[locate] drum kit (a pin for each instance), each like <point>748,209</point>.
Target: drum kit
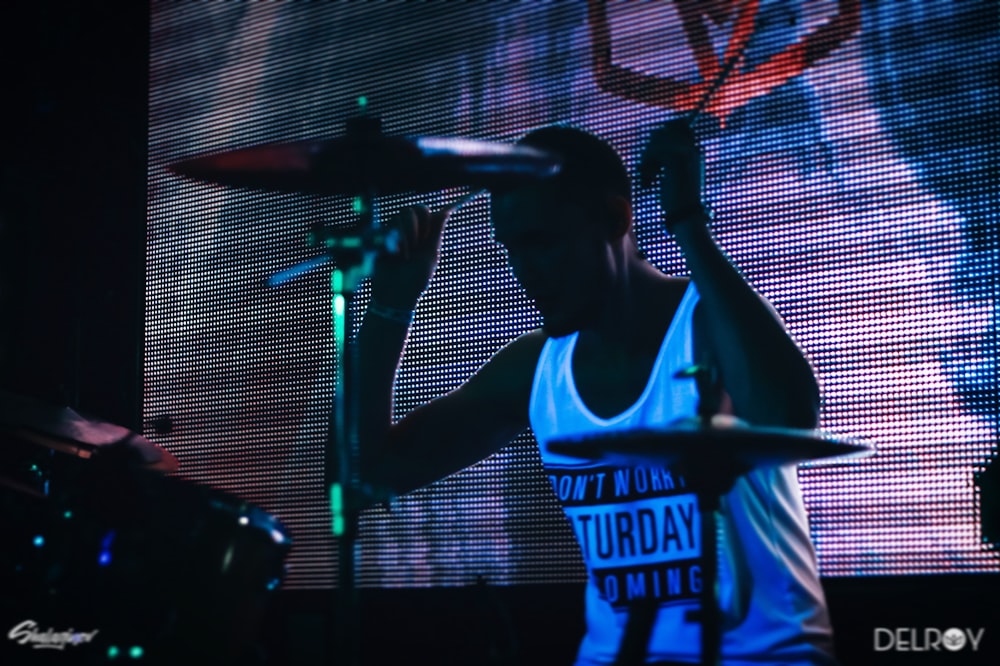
<point>102,546</point>
<point>112,525</point>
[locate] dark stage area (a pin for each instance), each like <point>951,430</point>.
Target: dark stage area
<point>539,625</point>
<point>75,206</point>
<point>72,231</point>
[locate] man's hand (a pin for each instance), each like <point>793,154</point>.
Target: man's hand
<point>401,278</point>
<point>673,157</point>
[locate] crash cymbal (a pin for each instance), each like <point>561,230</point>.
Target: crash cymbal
<point>689,441</point>
<point>366,161</point>
<point>65,430</point>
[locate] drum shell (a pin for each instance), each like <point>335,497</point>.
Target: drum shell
<point>148,560</point>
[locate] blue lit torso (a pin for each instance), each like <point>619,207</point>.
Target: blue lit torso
<point>638,528</point>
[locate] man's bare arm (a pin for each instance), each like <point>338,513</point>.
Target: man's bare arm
<point>763,371</point>
<point>460,428</point>
<point>455,430</point>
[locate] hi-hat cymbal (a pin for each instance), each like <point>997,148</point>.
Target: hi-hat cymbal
<point>365,160</point>
<point>65,430</point>
<point>690,442</point>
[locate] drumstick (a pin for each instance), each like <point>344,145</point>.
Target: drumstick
<point>722,76</point>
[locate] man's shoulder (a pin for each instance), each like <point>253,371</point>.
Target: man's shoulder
<point>670,284</point>
<point>669,293</point>
<point>514,365</point>
<point>504,383</point>
<point>525,348</point>
<point>677,283</point>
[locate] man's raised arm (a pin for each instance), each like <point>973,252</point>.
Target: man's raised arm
<point>454,430</point>
<point>767,376</point>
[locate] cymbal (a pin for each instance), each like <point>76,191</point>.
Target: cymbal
<point>727,440</point>
<point>65,430</point>
<point>367,161</point>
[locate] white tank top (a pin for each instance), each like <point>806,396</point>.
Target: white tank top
<point>638,528</point>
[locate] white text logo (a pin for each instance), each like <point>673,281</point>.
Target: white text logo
<point>27,632</point>
<point>928,639</point>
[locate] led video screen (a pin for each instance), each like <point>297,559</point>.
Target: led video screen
<point>849,150</point>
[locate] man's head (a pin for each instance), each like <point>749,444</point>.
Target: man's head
<point>590,167</point>
<point>567,235</point>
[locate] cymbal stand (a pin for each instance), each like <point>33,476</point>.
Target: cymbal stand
<point>709,612</point>
<point>351,255</point>
<point>710,486</point>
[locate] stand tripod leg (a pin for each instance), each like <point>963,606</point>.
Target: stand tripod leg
<point>711,629</point>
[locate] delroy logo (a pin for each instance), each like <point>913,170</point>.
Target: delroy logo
<point>927,639</point>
